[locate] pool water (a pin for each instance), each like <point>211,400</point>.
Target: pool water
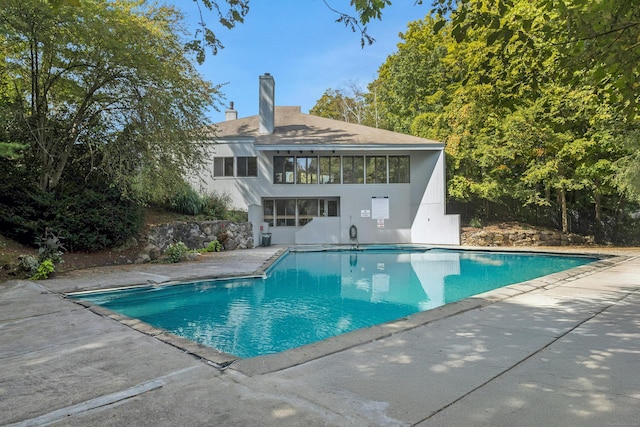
<point>311,296</point>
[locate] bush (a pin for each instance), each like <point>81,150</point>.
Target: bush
<point>25,211</point>
<point>188,201</point>
<point>28,264</point>
<point>93,220</point>
<point>216,206</point>
<point>87,218</point>
<point>475,222</point>
<point>44,270</point>
<point>50,247</point>
<point>176,252</point>
<point>213,246</point>
<point>237,216</point>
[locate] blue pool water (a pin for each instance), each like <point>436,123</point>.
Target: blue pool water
<point>311,296</point>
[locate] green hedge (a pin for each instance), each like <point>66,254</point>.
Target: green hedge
<point>88,219</point>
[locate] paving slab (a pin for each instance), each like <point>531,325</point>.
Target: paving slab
<point>561,350</point>
<point>589,378</point>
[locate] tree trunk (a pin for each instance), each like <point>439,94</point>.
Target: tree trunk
<point>598,199</point>
<point>563,208</point>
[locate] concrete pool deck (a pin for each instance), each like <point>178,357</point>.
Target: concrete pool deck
<point>561,350</point>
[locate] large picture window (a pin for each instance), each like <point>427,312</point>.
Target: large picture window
<point>398,169</point>
<point>283,170</point>
<point>353,169</point>
<point>329,170</point>
<point>376,169</point>
<point>307,170</point>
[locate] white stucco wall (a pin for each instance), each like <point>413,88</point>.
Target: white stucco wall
<point>416,209</point>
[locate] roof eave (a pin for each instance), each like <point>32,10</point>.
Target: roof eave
<point>349,147</point>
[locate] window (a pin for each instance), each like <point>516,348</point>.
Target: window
<point>223,166</point>
<point>269,211</point>
<point>307,170</point>
<point>398,169</point>
<point>285,212</point>
<point>353,169</point>
<point>297,212</point>
<point>307,210</point>
<point>334,169</point>
<point>329,170</point>
<point>376,169</point>
<point>247,166</point>
<point>283,170</point>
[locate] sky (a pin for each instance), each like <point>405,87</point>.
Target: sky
<point>299,43</point>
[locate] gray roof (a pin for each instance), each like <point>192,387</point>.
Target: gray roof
<point>293,128</point>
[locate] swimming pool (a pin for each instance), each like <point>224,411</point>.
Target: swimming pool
<point>310,296</point>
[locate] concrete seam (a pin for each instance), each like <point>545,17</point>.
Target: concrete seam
<point>522,361</point>
<point>106,400</point>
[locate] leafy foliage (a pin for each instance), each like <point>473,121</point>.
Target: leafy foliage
<point>44,270</point>
<point>176,252</point>
<point>188,201</point>
<point>86,218</point>
<point>216,206</point>
<point>93,220</point>
<point>50,248</point>
<point>213,246</point>
<point>105,88</point>
<point>526,136</point>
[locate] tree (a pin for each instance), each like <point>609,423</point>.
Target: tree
<point>104,88</point>
<point>596,35</point>
<point>413,80</point>
<point>229,13</point>
<point>509,137</point>
<point>349,105</point>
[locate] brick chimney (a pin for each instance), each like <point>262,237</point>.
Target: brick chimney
<point>230,114</point>
<point>267,104</point>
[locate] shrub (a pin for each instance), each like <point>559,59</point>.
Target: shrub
<point>237,216</point>
<point>213,246</point>
<point>216,206</point>
<point>475,222</point>
<point>176,252</point>
<point>188,201</point>
<point>24,211</point>
<point>50,247</point>
<point>87,218</point>
<point>28,264</point>
<point>44,270</point>
<point>93,220</point>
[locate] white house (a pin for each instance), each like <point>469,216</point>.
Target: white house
<point>312,180</point>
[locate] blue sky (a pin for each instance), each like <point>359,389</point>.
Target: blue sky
<point>301,45</point>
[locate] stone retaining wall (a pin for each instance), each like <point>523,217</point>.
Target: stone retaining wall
<point>196,235</point>
<point>522,237</point>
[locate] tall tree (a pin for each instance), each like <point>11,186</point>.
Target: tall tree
<point>349,105</point>
<point>106,85</point>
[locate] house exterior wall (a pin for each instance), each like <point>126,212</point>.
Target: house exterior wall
<point>416,209</point>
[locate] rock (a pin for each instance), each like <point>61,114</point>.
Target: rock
<point>196,235</point>
<point>143,259</point>
<point>520,235</point>
<point>131,242</point>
